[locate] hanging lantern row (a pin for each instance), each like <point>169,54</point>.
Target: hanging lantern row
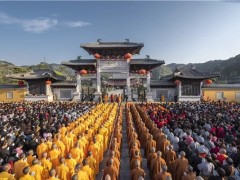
<point>48,82</point>
<point>177,82</point>
<point>20,83</point>
<point>126,56</point>
<point>208,81</point>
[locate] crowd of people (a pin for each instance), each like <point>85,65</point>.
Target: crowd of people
<point>58,140</point>
<point>190,140</point>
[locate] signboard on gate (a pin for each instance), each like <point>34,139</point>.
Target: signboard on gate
<point>113,66</point>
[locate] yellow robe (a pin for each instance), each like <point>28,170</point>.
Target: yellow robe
<point>61,146</point>
<point>30,158</point>
<point>63,172</point>
<point>89,171</point>
<point>18,168</point>
<point>41,148</point>
<point>27,177</point>
<point>54,157</point>
<point>93,165</point>
<point>6,176</point>
<point>77,154</point>
<point>71,163</point>
<point>38,170</point>
<point>47,165</point>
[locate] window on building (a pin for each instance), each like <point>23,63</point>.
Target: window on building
<point>219,95</point>
<point>66,94</point>
<point>190,89</point>
<point>9,95</point>
<point>237,95</point>
<point>159,93</point>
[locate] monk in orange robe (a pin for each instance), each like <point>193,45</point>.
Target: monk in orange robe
<point>137,172</point>
<point>170,156</point>
<point>151,156</point>
<point>179,166</point>
<point>111,171</point>
<point>164,143</point>
<point>162,175</point>
<point>189,175</point>
<point>149,145</point>
<point>157,164</point>
<point>134,159</point>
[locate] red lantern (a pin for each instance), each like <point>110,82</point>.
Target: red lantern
<point>177,82</point>
<point>20,83</point>
<point>128,56</point>
<point>83,72</point>
<point>142,71</point>
<point>48,82</point>
<point>97,56</point>
<point>208,81</point>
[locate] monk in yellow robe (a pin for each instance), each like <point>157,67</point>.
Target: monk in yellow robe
<point>20,165</point>
<point>80,174</point>
<point>26,175</point>
<point>87,169</point>
<point>4,174</point>
<point>52,175</point>
<point>54,155</point>
<point>95,149</point>
<point>46,164</point>
<point>70,162</point>
<point>62,170</point>
<point>37,169</point>
<point>68,142</point>
<point>92,163</point>
<point>30,157</point>
<point>77,153</point>
<point>60,145</point>
<point>41,148</point>
<point>63,129</point>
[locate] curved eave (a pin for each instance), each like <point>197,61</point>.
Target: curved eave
<point>113,49</point>
<point>147,64</point>
<point>195,78</point>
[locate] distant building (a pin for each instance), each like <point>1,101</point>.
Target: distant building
<point>226,92</point>
<point>12,93</point>
<point>185,83</point>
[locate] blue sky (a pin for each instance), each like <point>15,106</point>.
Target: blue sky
<point>177,32</point>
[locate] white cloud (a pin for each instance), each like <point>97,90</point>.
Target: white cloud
<point>37,25</point>
<point>77,24</point>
